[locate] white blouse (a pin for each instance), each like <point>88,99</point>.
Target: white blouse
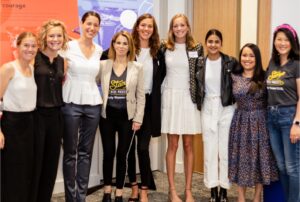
<point>80,85</point>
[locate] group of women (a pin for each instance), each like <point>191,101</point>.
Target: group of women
<point>144,88</point>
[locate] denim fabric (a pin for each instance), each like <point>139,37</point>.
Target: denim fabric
<point>280,120</point>
<point>82,119</point>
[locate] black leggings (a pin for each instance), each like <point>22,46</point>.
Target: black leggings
<point>116,121</point>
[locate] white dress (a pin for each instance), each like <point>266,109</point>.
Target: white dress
<point>179,113</point>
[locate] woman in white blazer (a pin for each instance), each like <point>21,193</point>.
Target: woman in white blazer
<point>122,83</point>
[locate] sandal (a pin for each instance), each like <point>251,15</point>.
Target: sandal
<point>134,199</point>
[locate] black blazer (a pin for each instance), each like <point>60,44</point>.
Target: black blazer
<point>155,98</point>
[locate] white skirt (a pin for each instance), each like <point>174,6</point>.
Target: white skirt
<point>179,114</point>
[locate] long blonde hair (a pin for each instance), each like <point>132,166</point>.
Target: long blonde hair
<point>190,42</point>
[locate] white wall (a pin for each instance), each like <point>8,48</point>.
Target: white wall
<point>286,11</point>
<point>249,14</point>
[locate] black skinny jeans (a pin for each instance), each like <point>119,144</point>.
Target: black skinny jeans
<point>116,121</point>
<point>143,140</point>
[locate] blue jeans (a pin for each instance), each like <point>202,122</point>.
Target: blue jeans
<point>82,119</point>
<point>280,120</point>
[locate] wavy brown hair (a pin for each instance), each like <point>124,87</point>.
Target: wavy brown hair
<point>190,42</point>
<point>154,42</point>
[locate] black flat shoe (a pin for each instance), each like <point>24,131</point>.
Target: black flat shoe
<point>106,197</point>
<point>214,195</point>
<point>118,199</point>
<point>223,195</point>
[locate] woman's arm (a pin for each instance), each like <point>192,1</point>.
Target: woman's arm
<point>140,100</point>
<point>6,73</point>
<point>295,129</point>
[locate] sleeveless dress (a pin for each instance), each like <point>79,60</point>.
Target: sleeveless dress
<point>179,113</point>
<point>251,160</point>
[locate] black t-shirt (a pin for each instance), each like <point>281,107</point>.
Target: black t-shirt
<point>281,83</point>
<point>117,91</point>
<point>49,77</point>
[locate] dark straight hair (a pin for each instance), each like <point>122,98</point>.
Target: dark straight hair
<point>214,32</point>
<point>90,13</point>
<point>257,81</point>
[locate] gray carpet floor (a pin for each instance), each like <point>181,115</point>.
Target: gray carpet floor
<point>200,192</point>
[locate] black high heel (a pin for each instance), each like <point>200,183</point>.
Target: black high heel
<point>106,197</point>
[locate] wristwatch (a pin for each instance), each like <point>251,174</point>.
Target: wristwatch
<point>296,122</point>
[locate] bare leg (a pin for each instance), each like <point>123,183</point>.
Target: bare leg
<point>144,194</point>
<point>188,165</point>
<point>257,194</point>
<point>170,161</point>
<point>241,194</point>
<point>134,191</point>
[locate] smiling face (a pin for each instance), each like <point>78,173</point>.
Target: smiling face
<point>54,38</point>
<point>282,44</point>
<point>27,49</point>
<point>180,29</point>
<point>248,59</point>
<point>213,45</point>
<point>90,27</point>
<point>121,46</point>
<point>145,29</point>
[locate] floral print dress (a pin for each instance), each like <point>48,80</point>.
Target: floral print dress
<point>251,160</point>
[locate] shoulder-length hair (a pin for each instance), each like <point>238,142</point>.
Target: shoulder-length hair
<point>154,42</point>
<point>131,49</point>
<point>257,81</point>
<point>190,42</point>
<point>46,26</point>
<point>292,36</point>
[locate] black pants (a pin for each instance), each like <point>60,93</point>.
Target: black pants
<point>116,121</point>
<point>17,156</point>
<point>143,140</point>
<point>48,136</point>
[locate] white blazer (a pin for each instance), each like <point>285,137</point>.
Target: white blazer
<point>135,94</point>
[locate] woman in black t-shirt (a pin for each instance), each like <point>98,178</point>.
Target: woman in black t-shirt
<point>283,85</point>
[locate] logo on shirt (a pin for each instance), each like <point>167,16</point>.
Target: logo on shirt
<point>275,78</point>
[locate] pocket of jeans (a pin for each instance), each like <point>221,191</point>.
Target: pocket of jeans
<point>286,115</point>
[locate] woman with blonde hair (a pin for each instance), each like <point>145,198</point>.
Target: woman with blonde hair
<point>48,73</point>
<point>122,83</point>
<point>180,115</point>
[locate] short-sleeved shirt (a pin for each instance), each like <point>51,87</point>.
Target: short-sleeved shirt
<point>281,83</point>
<point>117,91</point>
<point>49,77</point>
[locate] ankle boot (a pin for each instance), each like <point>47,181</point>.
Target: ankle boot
<point>223,195</point>
<point>106,197</point>
<point>214,195</point>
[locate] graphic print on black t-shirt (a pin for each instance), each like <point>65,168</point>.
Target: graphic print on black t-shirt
<point>275,81</point>
<point>117,91</point>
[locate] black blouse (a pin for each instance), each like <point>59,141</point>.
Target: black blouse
<point>49,78</point>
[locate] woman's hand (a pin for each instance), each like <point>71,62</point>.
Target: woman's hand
<point>295,134</point>
<point>136,126</point>
<point>1,140</point>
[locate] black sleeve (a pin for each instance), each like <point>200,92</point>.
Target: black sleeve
<point>104,55</point>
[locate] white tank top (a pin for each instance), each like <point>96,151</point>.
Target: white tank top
<point>20,95</point>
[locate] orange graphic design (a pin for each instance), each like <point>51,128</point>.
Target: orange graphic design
<point>28,15</point>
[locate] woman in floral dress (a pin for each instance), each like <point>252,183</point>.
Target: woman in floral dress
<point>251,162</point>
